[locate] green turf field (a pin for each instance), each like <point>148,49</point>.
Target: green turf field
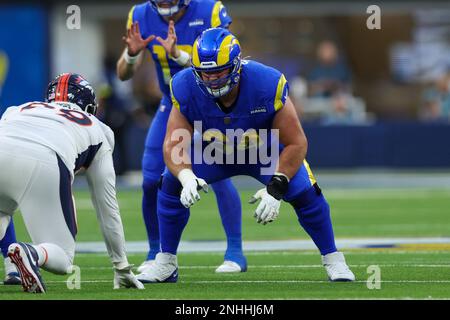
<point>411,272</point>
<point>271,275</point>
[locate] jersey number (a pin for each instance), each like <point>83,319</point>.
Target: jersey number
<point>75,116</point>
<point>71,115</point>
<point>161,53</point>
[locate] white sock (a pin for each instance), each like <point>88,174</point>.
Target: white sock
<point>54,259</point>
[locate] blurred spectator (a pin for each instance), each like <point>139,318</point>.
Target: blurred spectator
<point>116,108</point>
<point>330,98</point>
<point>344,110</point>
<point>298,89</point>
<point>331,74</point>
<point>436,105</point>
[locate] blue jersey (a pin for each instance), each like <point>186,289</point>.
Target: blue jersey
<point>262,92</point>
<point>199,16</point>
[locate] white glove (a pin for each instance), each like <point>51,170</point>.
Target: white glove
<point>124,278</point>
<point>268,208</point>
<point>191,186</point>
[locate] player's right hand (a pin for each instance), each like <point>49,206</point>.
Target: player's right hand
<point>189,194</point>
<point>134,41</point>
<point>170,43</point>
<point>124,278</point>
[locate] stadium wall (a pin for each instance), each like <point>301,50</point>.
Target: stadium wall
<point>24,54</point>
<point>382,145</point>
<point>392,144</point>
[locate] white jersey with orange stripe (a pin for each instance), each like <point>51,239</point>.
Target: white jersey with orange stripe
<point>80,140</point>
<point>76,136</point>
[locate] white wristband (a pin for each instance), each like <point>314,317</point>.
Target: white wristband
<point>183,59</point>
<point>186,175</point>
<point>129,59</point>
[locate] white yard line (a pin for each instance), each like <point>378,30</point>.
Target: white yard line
<point>300,266</point>
<point>268,281</point>
<point>275,245</point>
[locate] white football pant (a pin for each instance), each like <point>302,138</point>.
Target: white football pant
<point>34,179</point>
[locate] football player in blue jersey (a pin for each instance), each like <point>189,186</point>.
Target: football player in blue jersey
<point>151,25</point>
<point>224,94</point>
<point>11,275</point>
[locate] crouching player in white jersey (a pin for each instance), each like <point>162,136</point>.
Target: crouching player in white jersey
<point>42,146</point>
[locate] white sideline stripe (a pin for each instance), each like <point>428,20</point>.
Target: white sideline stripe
<point>274,245</point>
<point>271,281</point>
<point>381,194</point>
<point>103,255</point>
<point>300,266</point>
<point>304,266</point>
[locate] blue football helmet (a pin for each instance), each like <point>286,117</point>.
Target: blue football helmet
<point>215,50</point>
<point>167,12</point>
<point>71,87</point>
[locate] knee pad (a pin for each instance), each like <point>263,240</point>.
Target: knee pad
<point>150,184</point>
<point>170,185</point>
<point>169,203</point>
<point>311,205</point>
<point>170,208</point>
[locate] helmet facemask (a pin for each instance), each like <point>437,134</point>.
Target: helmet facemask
<point>223,85</point>
<point>169,11</point>
<point>84,101</point>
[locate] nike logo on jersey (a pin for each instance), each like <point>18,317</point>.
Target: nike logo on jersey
<point>198,22</point>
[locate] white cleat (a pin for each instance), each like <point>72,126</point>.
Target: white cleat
<point>164,269</point>
<point>145,265</point>
<point>337,268</point>
<point>228,267</point>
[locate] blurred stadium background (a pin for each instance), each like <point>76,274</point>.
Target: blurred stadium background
<point>367,98</point>
<point>375,105</point>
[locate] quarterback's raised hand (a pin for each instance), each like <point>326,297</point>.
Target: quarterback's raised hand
<point>124,278</point>
<point>170,43</point>
<point>134,41</point>
<point>191,185</point>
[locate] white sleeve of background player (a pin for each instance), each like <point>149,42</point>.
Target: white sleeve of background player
<point>102,183</point>
<point>108,134</point>
<point>9,111</point>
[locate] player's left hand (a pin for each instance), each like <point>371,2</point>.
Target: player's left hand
<point>268,209</point>
<point>124,278</point>
<point>170,43</point>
